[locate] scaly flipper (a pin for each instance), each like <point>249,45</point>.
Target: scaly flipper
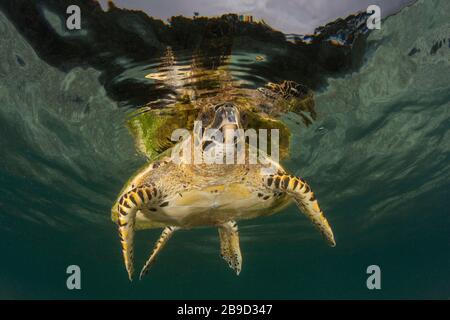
<point>128,205</point>
<point>229,245</point>
<point>304,197</point>
<point>165,236</point>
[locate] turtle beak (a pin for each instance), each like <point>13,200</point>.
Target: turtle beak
<point>226,120</point>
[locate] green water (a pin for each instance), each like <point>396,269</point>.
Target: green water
<point>377,158</point>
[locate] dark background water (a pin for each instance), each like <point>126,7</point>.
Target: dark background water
<point>377,158</point>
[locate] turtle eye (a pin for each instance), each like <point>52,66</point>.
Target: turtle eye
<point>204,118</point>
<point>244,119</point>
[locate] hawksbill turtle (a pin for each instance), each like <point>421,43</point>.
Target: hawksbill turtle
<point>175,195</point>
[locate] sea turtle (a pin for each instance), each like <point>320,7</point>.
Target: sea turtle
<point>176,195</point>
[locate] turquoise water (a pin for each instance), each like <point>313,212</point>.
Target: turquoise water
<point>377,158</point>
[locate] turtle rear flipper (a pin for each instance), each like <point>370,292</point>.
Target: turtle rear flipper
<point>229,245</point>
<point>165,236</point>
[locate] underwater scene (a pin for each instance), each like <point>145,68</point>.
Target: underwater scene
<point>350,202</point>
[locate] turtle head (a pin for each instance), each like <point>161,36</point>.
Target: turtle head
<point>225,116</point>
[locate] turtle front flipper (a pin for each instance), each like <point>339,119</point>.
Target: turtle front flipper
<point>165,236</point>
<point>305,199</point>
<point>127,207</point>
<point>229,245</point>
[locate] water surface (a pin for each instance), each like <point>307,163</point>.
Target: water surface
<point>377,158</point>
